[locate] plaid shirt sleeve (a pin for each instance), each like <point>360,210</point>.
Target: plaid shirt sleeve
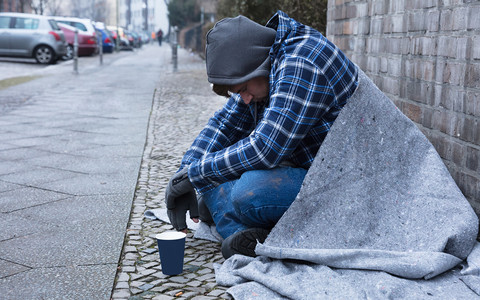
<point>231,123</point>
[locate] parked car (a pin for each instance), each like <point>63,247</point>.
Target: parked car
<point>124,44</point>
<point>85,27</point>
<point>133,39</point>
<point>86,41</point>
<point>29,35</point>
<point>108,43</point>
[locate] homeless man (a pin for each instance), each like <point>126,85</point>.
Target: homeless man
<point>285,84</point>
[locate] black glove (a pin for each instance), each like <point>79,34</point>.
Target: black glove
<point>180,197</point>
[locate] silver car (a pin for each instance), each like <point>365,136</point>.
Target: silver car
<point>29,35</point>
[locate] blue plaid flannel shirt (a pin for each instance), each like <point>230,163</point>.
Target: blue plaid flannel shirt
<point>310,81</point>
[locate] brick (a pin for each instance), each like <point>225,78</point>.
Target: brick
<point>472,75</point>
<point>428,46</point>
<point>459,100</point>
<point>397,6</point>
<point>439,70</point>
<point>443,147</point>
<point>413,112</point>
<point>378,8</point>
<point>373,64</point>
<point>427,117</point>
<point>426,3</point>
<point>340,13</point>
<point>383,65</point>
<point>387,24</point>
<point>443,43</point>
<point>444,124</point>
<point>468,131</point>
<point>461,47</point>
<point>362,10</point>
<point>433,21</point>
<point>454,73</point>
<point>460,18</point>
<point>376,26</point>
<point>446,100</point>
<point>359,44</point>
<point>437,119</point>
<point>472,159</point>
<point>410,4</point>
<point>477,132</point>
<point>395,66</point>
<point>470,184</point>
<point>417,21</point>
<point>428,70</point>
<point>348,27</point>
<point>351,11</point>
<point>391,86</point>
<point>395,46</point>
<point>471,97</point>
<point>473,19</point>
<point>446,20</point>
<point>475,47</point>
<point>457,122</point>
<point>458,154</point>
<point>398,23</point>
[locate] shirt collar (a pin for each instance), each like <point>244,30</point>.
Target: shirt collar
<point>281,22</point>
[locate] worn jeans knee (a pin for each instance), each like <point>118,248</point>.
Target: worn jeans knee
<point>261,197</point>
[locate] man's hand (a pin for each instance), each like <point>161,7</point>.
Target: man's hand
<point>180,196</point>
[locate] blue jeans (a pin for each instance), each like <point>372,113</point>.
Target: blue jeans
<point>257,199</point>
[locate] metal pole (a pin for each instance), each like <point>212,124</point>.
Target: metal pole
<point>117,41</point>
<point>175,48</point>
<point>100,46</point>
<point>75,52</point>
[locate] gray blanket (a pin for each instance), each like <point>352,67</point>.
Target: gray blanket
<point>378,216</point>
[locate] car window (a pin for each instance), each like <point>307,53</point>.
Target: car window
<point>79,26</point>
<point>26,23</point>
<point>4,22</point>
<point>53,24</point>
<point>74,24</point>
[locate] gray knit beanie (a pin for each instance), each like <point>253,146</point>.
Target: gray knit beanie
<point>238,50</point>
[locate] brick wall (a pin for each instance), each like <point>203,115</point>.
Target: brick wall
<point>425,55</point>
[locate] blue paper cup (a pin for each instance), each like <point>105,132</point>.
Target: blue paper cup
<point>171,247</point>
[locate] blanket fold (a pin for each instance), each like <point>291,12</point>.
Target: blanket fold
<point>377,201</point>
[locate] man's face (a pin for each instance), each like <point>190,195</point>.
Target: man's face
<point>254,90</point>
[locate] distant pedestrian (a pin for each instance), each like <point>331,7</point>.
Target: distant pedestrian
<point>159,37</point>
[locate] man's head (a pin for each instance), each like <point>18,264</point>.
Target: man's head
<point>237,52</point>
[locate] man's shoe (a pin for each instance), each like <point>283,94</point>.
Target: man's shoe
<point>244,242</point>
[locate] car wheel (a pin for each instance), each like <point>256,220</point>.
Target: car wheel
<point>44,55</point>
<point>69,54</point>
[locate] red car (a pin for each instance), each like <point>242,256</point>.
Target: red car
<point>87,43</point>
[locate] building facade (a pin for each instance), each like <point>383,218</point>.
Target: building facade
<point>425,55</point>
<point>15,6</point>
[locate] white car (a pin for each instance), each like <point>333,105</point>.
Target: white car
<point>29,35</point>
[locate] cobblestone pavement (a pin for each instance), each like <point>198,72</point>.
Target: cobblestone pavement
<point>182,104</point>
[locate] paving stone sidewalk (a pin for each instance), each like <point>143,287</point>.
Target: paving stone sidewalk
<point>182,104</point>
